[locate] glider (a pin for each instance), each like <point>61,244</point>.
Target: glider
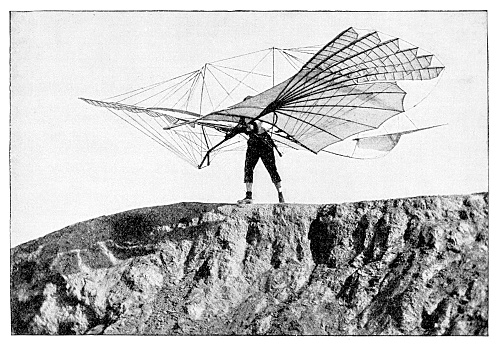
<point>349,86</point>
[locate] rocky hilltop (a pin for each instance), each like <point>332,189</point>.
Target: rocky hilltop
<point>405,266</point>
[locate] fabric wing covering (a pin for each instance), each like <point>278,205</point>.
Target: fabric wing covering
<point>385,142</point>
<point>346,88</point>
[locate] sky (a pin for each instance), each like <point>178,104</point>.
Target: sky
<point>71,162</point>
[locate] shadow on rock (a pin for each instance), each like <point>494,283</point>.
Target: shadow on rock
<point>135,228</point>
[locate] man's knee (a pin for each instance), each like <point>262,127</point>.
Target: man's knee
<point>248,179</point>
<point>275,178</point>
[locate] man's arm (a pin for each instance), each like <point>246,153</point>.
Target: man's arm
<point>240,128</point>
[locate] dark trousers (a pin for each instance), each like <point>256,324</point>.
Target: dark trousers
<point>257,149</point>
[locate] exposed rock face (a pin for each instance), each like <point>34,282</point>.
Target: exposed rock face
<point>407,266</point>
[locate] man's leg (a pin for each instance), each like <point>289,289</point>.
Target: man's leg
<point>249,187</point>
<point>252,158</point>
<point>268,158</point>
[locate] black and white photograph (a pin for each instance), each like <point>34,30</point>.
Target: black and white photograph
<point>249,173</point>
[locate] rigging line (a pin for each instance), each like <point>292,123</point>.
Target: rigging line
<point>170,93</point>
<point>198,143</point>
<point>235,149</point>
<point>151,129</point>
<point>226,149</point>
<point>187,136</point>
<point>182,150</point>
<point>209,96</point>
<point>273,66</point>
<point>162,141</point>
<point>167,88</point>
<point>240,70</point>
<point>144,132</point>
<point>236,79</point>
<point>184,140</point>
<point>203,75</point>
<point>221,85</point>
<point>410,120</point>
<point>209,135</point>
<point>264,57</point>
<point>178,86</point>
<point>237,56</point>
<point>192,88</point>
<point>164,122</point>
<point>352,157</point>
<point>295,58</point>
<point>299,83</point>
<point>182,143</point>
<point>290,62</point>
<point>306,52</point>
<point>354,149</point>
<point>145,88</point>
<point>205,138</point>
<point>305,48</point>
<point>181,97</point>
<point>227,145</point>
<point>172,90</point>
<point>197,136</point>
<point>148,86</point>
<point>207,154</point>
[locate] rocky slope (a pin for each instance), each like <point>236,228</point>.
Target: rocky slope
<point>406,266</point>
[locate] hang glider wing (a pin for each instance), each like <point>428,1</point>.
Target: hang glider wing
<point>385,142</point>
<point>347,87</point>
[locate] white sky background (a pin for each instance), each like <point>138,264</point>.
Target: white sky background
<point>72,162</point>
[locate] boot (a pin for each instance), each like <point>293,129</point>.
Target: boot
<point>247,199</point>
<point>281,198</point>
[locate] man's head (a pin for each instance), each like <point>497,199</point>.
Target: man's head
<point>242,121</point>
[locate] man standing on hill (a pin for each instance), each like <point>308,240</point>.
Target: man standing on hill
<point>259,145</point>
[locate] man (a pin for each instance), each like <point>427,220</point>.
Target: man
<point>259,145</point>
